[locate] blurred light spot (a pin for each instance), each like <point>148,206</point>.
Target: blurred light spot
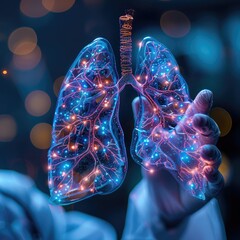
<point>58,5</point>
<point>22,41</point>
<point>37,103</point>
<point>93,2</point>
<point>224,168</point>
<point>223,119</point>
<point>4,72</point>
<point>8,128</point>
<point>175,23</point>
<point>205,49</point>
<point>28,61</point>
<point>41,135</point>
<point>57,85</point>
<point>232,33</point>
<point>232,30</point>
<point>33,8</point>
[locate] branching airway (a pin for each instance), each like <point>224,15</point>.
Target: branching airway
<point>126,42</point>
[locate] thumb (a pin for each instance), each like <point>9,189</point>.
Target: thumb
<point>201,104</point>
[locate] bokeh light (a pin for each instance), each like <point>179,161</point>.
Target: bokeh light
<point>57,85</point>
<point>8,128</point>
<point>225,168</point>
<point>205,49</point>
<point>232,31</point>
<point>4,72</point>
<point>33,8</point>
<point>28,61</point>
<point>37,103</point>
<point>223,119</point>
<point>58,5</point>
<point>22,41</point>
<point>40,135</point>
<point>175,24</point>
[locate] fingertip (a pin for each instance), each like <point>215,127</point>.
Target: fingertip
<point>199,120</point>
<point>201,123</point>
<point>215,183</point>
<point>206,97</point>
<point>207,127</point>
<point>203,101</point>
<point>211,153</point>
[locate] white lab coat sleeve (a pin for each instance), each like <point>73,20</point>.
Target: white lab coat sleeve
<point>142,223</point>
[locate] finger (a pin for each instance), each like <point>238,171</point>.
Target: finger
<point>212,156</point>
<point>201,104</point>
<point>215,180</point>
<point>215,183</point>
<point>207,127</point>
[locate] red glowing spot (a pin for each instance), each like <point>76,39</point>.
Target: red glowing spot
<point>73,147</point>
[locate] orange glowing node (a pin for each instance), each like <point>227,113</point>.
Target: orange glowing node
<point>4,72</point>
<point>73,147</point>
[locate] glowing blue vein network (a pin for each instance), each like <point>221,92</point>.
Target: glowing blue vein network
<point>88,155</point>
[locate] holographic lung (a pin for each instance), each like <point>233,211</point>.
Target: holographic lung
<point>163,136</point>
<point>87,155</point>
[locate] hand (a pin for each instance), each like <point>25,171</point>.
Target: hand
<point>173,202</point>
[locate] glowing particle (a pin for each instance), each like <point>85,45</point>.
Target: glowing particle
<point>4,72</point>
<point>73,147</point>
<point>151,171</point>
